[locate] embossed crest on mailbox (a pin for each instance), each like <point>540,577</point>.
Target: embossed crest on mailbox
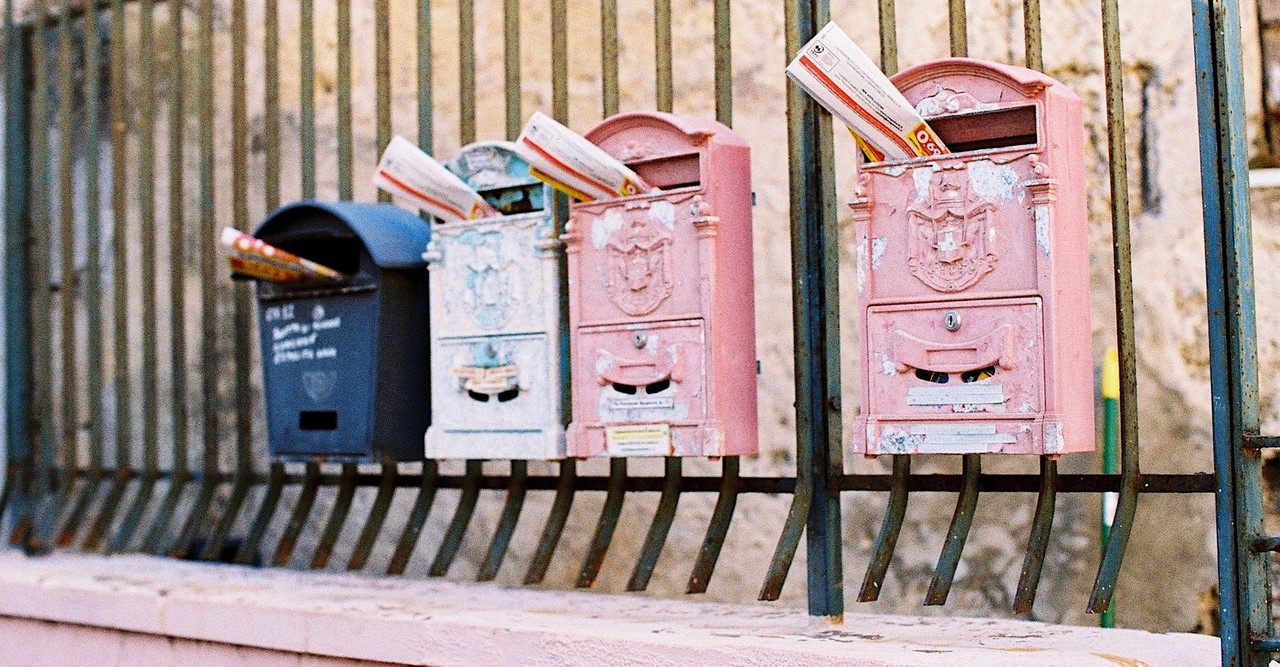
<point>496,335</point>
<point>973,272</point>
<point>661,309</point>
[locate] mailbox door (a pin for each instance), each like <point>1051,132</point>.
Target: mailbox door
<point>638,258</point>
<point>641,373</point>
<point>491,277</point>
<point>318,356</point>
<point>975,357</point>
<point>945,228</point>
<point>492,383</point>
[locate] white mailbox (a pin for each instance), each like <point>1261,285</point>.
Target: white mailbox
<point>496,363</point>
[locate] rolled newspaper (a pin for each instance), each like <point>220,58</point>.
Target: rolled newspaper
<point>569,163</point>
<point>406,171</point>
<point>840,76</point>
<point>255,258</point>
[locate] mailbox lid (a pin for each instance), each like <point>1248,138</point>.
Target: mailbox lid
<point>992,364</point>
<point>393,237</point>
<point>640,373</point>
<point>494,383</point>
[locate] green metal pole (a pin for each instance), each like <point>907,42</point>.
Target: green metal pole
<point>1110,461</point>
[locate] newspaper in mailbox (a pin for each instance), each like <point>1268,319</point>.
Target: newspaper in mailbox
<point>255,258</point>
<point>406,171</point>
<point>569,163</point>
<point>841,77</point>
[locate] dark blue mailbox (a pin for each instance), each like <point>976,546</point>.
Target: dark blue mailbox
<point>345,365</point>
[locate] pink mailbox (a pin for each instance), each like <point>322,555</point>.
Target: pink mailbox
<point>973,272</point>
<point>661,309</point>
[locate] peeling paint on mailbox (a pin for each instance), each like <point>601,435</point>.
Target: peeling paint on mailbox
<point>661,296</point>
<point>495,337</point>
<point>975,312</point>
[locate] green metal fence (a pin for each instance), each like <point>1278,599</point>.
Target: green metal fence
<point>131,418</point>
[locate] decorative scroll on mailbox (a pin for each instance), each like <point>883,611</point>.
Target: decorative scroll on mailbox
<point>496,371</point>
<point>661,310</point>
<point>973,272</point>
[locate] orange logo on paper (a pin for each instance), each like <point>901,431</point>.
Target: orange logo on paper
<point>925,141</point>
<point>628,188</point>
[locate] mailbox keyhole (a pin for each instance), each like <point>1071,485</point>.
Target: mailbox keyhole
<point>932,376</point>
<point>978,374</point>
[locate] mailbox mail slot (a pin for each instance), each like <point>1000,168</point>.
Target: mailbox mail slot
<point>495,313</point>
<point>972,272</point>
<point>345,365</point>
<point>661,303</point>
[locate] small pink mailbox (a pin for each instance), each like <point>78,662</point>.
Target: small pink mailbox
<point>661,307</point>
<point>973,272</point>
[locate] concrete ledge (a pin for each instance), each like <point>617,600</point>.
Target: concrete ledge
<point>229,611</point>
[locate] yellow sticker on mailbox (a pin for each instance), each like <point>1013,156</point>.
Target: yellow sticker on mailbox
<point>639,440</point>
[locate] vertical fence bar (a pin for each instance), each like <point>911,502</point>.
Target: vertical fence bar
<point>961,521</point>
<point>658,530</point>
<point>39,258</point>
<point>298,519</point>
<point>467,71</point>
<point>815,300</point>
<point>208,290</point>
<point>603,536</point>
<point>890,529</point>
<point>154,541</point>
<point>17,294</point>
<point>888,36</point>
<point>248,552</point>
<point>120,281</point>
<point>959,28</point>
<point>511,65</point>
<point>147,214</point>
<point>337,518</point>
<point>1243,573</point>
<point>662,53</point>
<point>382,74</point>
<point>242,316</point>
<point>609,56</point>
<point>69,390</point>
<point>1038,542</point>
<point>345,178</point>
<point>307,93</point>
<point>93,285</point>
<point>1131,480</point>
<point>453,535</point>
<point>377,516</point>
<point>1034,46</point>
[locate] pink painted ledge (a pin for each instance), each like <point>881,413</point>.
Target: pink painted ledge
<point>331,618</point>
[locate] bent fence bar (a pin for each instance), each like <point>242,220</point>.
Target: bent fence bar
<point>75,72</point>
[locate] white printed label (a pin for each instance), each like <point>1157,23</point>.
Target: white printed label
<point>964,394</point>
<point>959,439</point>
<point>642,403</point>
<point>639,440</point>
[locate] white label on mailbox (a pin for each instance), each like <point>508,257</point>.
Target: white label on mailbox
<point>965,394</point>
<point>639,440</point>
<point>960,438</point>
<point>642,403</point>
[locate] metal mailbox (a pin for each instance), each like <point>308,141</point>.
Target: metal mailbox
<point>345,365</point>
<point>661,301</point>
<point>495,312</point>
<point>973,272</point>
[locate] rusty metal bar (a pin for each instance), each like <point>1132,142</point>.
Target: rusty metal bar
<point>100,526</point>
<point>559,515</point>
<point>382,76</point>
<point>298,520</point>
<point>147,216</point>
<point>662,54</point>
<point>609,56</point>
<point>890,529</point>
<point>377,517</point>
<point>511,66</point>
<point>507,522</point>
<point>1127,503</point>
<point>466,71</point>
<point>608,522</point>
<point>957,534</point>
<point>93,286</point>
<point>959,28</point>
<point>1038,542</point>
<point>337,518</point>
<point>417,518</point>
<point>1031,34</point>
<point>461,519</point>
<point>248,552</point>
<point>721,16</point>
<point>718,527</point>
<point>154,541</point>
<point>345,177</point>
<point>271,101</point>
<point>307,95</point>
<point>661,526</point>
<point>888,36</point>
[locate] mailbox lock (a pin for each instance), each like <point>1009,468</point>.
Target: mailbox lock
<point>640,340</point>
<point>951,321</point>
